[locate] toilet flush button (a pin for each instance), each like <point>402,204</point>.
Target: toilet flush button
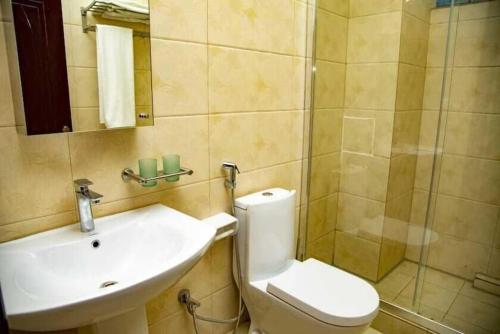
<point>267,193</point>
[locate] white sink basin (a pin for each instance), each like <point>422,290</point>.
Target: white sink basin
<point>54,280</point>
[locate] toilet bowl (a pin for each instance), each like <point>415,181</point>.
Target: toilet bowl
<point>287,296</point>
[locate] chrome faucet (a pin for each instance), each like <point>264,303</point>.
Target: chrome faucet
<point>85,198</point>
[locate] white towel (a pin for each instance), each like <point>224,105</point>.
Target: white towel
<point>115,73</point>
<point>131,5</point>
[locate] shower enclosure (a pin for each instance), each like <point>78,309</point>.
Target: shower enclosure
<point>403,177</point>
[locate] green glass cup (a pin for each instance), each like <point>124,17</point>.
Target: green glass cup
<point>148,168</point>
<point>171,164</point>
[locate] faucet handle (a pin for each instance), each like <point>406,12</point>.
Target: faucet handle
<point>82,184</point>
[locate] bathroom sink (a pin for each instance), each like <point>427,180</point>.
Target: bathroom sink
<point>65,278</point>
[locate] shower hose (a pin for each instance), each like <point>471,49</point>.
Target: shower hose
<point>191,307</point>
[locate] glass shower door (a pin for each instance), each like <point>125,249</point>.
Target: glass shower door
<point>404,161</point>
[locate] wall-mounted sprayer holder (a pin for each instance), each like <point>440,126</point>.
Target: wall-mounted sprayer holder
<point>128,174</point>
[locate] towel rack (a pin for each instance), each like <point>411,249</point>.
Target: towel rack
<point>100,7</point>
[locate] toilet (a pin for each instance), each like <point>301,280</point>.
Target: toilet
<point>286,296</point>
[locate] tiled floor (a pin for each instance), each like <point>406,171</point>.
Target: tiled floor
<point>243,329</point>
<point>445,298</point>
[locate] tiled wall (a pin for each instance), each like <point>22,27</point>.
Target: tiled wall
<point>326,130</point>
<point>82,68</point>
<point>366,147</point>
<point>228,84</point>
<point>466,225</point>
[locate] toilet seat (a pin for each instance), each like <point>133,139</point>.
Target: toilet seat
<point>326,293</point>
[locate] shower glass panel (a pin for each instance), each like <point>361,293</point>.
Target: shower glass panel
<point>404,153</point>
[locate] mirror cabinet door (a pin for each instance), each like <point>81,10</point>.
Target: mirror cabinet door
<point>42,65</point>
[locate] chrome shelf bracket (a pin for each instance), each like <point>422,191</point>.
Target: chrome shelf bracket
<point>128,174</point>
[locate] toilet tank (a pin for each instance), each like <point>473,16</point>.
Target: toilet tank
<point>266,238</point>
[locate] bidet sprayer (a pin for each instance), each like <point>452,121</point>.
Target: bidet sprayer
<point>231,176</point>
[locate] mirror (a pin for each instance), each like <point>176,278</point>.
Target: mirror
<point>92,68</point>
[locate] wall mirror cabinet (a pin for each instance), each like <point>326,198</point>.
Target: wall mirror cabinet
<point>79,65</point>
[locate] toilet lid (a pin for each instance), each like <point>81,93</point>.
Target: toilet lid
<point>326,293</point>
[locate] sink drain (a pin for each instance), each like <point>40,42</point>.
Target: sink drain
<point>108,283</point>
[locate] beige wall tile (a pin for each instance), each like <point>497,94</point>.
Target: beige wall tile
<point>35,176</point>
<point>358,135</point>
<point>364,176</point>
<point>71,11</point>
<point>433,88</point>
<point>327,131</point>
<point>371,86</point>
<point>179,19</point>
<point>252,25</point>
<point>401,175</point>
<point>83,46</point>
<point>421,9</point>
<point>100,155</point>
<point>329,85</point>
<point>424,168</point>
<point>405,139</point>
<point>494,265</point>
<point>225,306</point>
<point>222,263</point>
<point>474,221</point>
<point>391,254</point>
<point>142,53</point>
<point>84,87</point>
<point>86,119</point>
<point>287,176</point>
<point>428,129</point>
<point>142,80</point>
<point>477,43</point>
<point>191,199</point>
<point>6,104</point>
<point>410,89</point>
<point>473,135</point>
<point>440,15</point>
<point>356,255</point>
<point>198,280</point>
<point>188,137</point>
<point>26,227</point>
<point>363,7</point>
<point>322,217</point>
<point>322,248</point>
<point>475,90</point>
<point>325,175</point>
<point>68,48</point>
<point>414,39</point>
<point>257,81</point>
<point>340,7</point>
<point>179,78</point>
<point>374,38</point>
<point>459,257</point>
<point>437,43</point>
<point>470,178</point>
<point>383,128</point>
<point>256,139</point>
<point>331,36</point>
<point>480,10</point>
<point>419,207</point>
<point>360,217</point>
<point>181,322</point>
